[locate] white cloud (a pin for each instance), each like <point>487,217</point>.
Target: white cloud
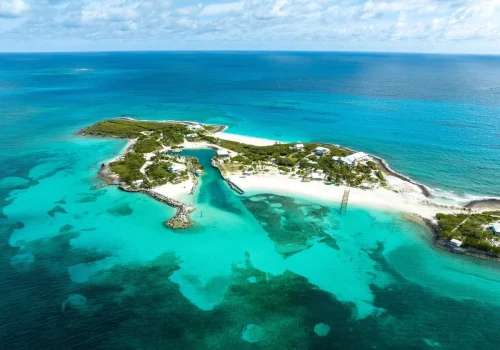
<point>223,8</point>
<point>13,8</point>
<point>418,24</point>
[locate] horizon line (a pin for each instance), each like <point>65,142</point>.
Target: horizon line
<point>253,51</point>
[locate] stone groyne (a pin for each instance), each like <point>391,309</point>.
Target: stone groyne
<point>181,218</point>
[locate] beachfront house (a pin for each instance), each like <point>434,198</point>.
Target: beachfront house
<point>496,228</point>
<point>195,127</point>
<point>137,183</point>
<point>298,147</point>
<point>198,172</point>
<point>456,242</point>
<point>317,176</point>
<point>353,159</point>
<point>176,168</point>
<point>192,136</point>
<point>222,153</point>
<point>321,151</point>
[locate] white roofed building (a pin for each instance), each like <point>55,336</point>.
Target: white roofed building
<point>354,158</point>
<point>195,127</point>
<point>456,242</point>
<point>176,168</point>
<point>317,176</point>
<point>222,153</point>
<point>496,228</point>
<point>299,147</point>
<point>137,183</point>
<point>192,136</point>
<point>320,151</point>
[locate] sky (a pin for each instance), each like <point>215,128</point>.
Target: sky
<point>435,26</point>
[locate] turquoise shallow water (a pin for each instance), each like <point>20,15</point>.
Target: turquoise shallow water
<point>98,269</point>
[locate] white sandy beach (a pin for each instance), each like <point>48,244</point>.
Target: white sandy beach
<point>179,191</point>
<point>245,139</point>
<point>403,196</point>
<point>410,201</point>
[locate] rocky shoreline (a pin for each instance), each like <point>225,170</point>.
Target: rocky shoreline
<point>181,218</point>
<point>484,204</point>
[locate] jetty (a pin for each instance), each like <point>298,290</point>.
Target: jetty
<point>345,201</point>
<point>234,187</point>
<point>181,218</point>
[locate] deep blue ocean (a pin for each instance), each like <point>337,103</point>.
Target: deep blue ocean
<point>82,268</point>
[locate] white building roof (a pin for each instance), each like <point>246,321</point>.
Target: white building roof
<point>195,127</point>
<point>222,152</point>
<point>317,176</point>
<point>322,150</point>
<point>299,146</point>
<point>137,182</point>
<point>176,167</point>
<point>353,158</point>
<point>456,242</point>
<point>191,135</point>
<point>496,227</point>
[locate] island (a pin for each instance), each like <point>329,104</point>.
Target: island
<point>153,164</point>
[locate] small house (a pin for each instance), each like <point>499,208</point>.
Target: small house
<point>306,179</point>
<point>222,153</point>
<point>192,136</point>
<point>320,151</point>
<point>176,168</point>
<point>137,183</point>
<point>195,127</point>
<point>317,176</point>
<point>299,147</point>
<point>198,172</point>
<point>456,242</point>
<point>496,228</point>
<point>248,173</point>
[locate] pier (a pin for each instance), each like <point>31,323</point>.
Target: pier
<point>234,187</point>
<point>345,201</point>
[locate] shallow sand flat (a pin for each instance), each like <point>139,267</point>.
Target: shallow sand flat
<point>411,202</point>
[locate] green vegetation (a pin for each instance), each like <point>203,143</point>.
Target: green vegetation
<point>123,128</point>
<point>469,228</point>
<point>159,174</point>
<point>146,144</point>
<point>147,132</point>
<point>128,168</point>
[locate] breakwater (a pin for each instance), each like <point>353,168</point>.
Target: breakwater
<point>231,184</point>
<point>181,218</point>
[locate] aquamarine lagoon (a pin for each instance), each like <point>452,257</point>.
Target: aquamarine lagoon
<point>83,268</point>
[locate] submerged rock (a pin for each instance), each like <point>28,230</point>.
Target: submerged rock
<point>252,333</point>
<point>57,209</point>
<point>22,260</point>
<point>76,301</point>
<point>322,329</point>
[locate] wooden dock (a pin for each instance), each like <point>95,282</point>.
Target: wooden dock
<point>234,187</point>
<point>345,201</point>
